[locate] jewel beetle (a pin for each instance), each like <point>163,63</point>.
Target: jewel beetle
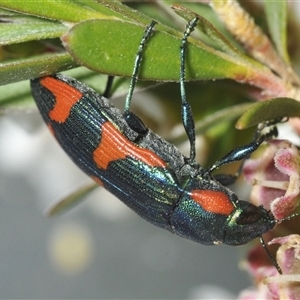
<point>147,173</point>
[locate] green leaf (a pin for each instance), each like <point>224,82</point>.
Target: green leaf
<point>21,31</point>
<point>105,7</point>
<point>209,29</point>
<point>34,67</point>
<point>66,10</point>
<point>6,13</point>
<point>276,12</point>
<point>112,46</point>
<point>272,109</point>
<point>117,9</point>
<point>73,199</point>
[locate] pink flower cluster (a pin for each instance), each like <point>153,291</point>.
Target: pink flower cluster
<point>276,186</point>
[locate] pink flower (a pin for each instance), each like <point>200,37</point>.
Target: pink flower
<point>268,283</point>
<point>275,178</point>
<point>258,266</point>
<point>287,286</point>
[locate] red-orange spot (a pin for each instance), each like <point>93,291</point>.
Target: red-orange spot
<point>115,146</point>
<point>212,201</point>
<point>97,180</point>
<point>65,98</point>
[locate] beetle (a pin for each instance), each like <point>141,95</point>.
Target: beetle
<point>147,173</point>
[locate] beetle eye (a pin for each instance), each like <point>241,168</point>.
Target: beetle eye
<point>249,215</point>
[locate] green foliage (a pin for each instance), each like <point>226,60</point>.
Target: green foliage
<point>109,31</point>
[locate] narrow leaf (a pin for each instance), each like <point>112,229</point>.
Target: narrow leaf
<point>71,200</point>
<point>276,12</point>
<point>34,67</point>
<point>272,109</point>
<point>117,9</point>
<point>66,10</point>
<point>208,29</point>
<point>19,32</point>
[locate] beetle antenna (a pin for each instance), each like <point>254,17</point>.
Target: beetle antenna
<point>138,59</point>
<point>273,260</point>
<point>186,110</point>
<point>288,218</point>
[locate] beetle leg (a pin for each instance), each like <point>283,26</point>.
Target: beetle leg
<point>107,92</point>
<point>243,152</point>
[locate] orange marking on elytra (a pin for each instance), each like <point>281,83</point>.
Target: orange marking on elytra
<point>65,98</point>
<point>114,146</point>
<point>213,201</point>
